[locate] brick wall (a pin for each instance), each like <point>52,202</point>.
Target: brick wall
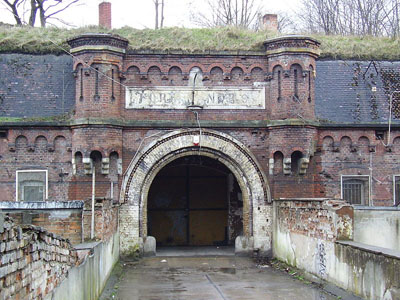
<point>335,152</point>
<point>315,218</point>
<point>292,183</point>
<point>65,223</point>
<point>359,152</point>
<point>36,148</point>
<point>36,85</point>
<point>98,92</point>
<point>293,76</point>
<point>33,261</point>
<point>106,219</point>
<point>52,149</point>
<point>100,101</point>
<point>173,70</point>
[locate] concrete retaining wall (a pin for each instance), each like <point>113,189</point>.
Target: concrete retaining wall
<point>377,226</point>
<point>367,271</point>
<point>307,235</point>
<point>87,281</point>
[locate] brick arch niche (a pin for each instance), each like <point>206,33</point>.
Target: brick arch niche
<point>220,146</point>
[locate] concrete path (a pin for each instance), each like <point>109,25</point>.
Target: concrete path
<point>214,278</point>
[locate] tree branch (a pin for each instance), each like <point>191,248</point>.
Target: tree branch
<point>62,9</point>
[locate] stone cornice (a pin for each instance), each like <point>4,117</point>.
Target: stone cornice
<point>292,44</point>
<point>98,122</point>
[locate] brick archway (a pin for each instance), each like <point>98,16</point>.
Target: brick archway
<point>149,161</point>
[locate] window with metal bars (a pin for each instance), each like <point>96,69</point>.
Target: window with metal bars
<point>397,191</point>
<point>355,190</point>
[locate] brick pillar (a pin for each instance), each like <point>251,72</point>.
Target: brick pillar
<point>105,15</point>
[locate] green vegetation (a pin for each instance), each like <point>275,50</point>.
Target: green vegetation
<point>361,48</point>
<point>292,271</point>
<point>49,119</point>
<point>52,40</point>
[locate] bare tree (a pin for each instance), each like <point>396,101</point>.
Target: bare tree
<point>392,13</point>
<point>47,9</point>
<point>13,7</point>
<point>285,22</point>
<point>238,13</point>
<point>351,17</point>
<point>159,13</point>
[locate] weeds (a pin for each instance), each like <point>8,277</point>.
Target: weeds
<point>200,40</point>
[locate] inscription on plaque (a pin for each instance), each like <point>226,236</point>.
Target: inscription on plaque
<point>182,97</point>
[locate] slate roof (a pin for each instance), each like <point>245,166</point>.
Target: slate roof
<point>36,85</point>
<point>344,91</point>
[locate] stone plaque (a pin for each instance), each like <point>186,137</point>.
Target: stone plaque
<point>207,97</point>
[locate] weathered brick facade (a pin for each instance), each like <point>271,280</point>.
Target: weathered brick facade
<point>290,146</point>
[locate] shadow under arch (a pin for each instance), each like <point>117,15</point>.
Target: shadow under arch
<point>149,161</point>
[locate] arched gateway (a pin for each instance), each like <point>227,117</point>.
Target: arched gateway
<point>216,145</point>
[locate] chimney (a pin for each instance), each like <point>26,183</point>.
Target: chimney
<point>270,22</point>
<point>105,14</point>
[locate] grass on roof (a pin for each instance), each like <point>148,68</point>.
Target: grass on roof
<point>48,40</point>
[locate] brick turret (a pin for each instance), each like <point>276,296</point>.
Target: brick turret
<point>98,62</point>
<point>96,140</point>
<point>291,64</point>
<point>291,68</point>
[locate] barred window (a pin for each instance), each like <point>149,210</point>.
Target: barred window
<point>31,185</point>
<point>396,193</point>
<point>355,189</point>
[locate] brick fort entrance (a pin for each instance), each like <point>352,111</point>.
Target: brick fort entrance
<point>141,209</point>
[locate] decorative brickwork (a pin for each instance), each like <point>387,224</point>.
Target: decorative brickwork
<point>302,132</point>
<point>157,154</point>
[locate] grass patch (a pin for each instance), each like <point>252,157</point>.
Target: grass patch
<point>359,48</point>
<point>49,40</point>
<point>200,40</point>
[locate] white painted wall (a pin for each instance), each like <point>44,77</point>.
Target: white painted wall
<point>378,227</point>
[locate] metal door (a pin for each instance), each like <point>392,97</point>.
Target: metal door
<point>187,206</point>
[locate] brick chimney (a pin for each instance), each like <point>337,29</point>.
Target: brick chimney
<point>105,14</point>
<point>270,22</point>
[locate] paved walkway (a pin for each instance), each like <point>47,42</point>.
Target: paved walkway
<point>214,278</point>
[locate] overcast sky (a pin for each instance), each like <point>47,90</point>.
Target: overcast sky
<point>140,13</point>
